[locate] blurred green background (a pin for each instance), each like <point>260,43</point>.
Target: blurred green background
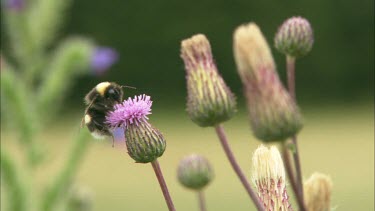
<point>334,86</point>
<point>148,33</point>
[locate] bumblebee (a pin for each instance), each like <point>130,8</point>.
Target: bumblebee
<point>100,100</point>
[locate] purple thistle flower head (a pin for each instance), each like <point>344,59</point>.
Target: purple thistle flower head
<point>14,5</point>
<point>102,59</point>
<point>131,111</point>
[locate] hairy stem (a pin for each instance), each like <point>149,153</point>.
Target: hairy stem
<point>224,142</point>
<point>163,185</point>
<point>16,190</point>
<point>63,180</point>
<point>20,108</point>
<point>292,91</point>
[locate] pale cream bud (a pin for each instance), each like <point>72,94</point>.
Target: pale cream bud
<point>269,178</point>
<point>318,189</point>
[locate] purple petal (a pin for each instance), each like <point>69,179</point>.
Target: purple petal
<point>130,111</point>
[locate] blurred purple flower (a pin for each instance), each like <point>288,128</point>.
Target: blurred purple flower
<point>130,111</point>
<point>14,5</point>
<point>102,59</point>
<point>118,135</point>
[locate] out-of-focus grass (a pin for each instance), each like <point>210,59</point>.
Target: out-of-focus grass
<point>335,141</point>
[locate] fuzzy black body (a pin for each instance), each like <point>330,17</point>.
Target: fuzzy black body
<point>100,100</point>
<point>95,122</point>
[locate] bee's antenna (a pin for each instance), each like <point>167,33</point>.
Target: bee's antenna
<point>131,87</point>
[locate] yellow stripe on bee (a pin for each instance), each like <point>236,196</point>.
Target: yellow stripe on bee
<point>87,119</point>
<point>100,88</point>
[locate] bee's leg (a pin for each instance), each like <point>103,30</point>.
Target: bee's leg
<point>113,140</point>
<point>82,122</point>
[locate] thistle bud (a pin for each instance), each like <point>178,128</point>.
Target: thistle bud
<point>269,179</point>
<point>144,142</point>
<point>80,199</point>
<point>295,37</point>
<point>210,101</point>
<point>194,172</point>
<point>317,192</point>
<point>274,116</point>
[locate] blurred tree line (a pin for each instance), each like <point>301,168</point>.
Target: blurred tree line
<point>147,35</point>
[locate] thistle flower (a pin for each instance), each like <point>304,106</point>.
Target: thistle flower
<point>210,101</point>
<point>318,190</point>
<point>14,5</point>
<point>295,37</point>
<point>144,142</point>
<point>194,172</point>
<point>269,179</point>
<point>102,59</point>
<point>274,116</point>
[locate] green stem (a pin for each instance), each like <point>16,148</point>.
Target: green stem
<point>290,62</point>
<point>63,180</point>
<point>11,177</point>
<point>19,36</point>
<point>69,60</point>
<point>289,167</point>
<point>163,185</point>
<point>202,202</point>
<point>292,91</point>
<point>290,173</point>
<point>15,94</point>
<point>224,142</point>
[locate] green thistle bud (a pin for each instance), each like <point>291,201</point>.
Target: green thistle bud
<point>318,190</point>
<point>295,37</point>
<point>144,142</point>
<point>269,178</point>
<point>194,172</point>
<point>274,116</point>
<point>210,101</point>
